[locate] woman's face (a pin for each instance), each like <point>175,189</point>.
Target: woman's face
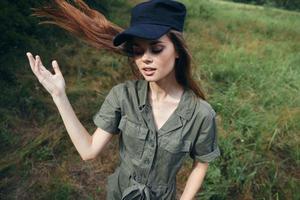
<point>155,59</point>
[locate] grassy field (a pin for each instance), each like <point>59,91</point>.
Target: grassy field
<point>248,60</point>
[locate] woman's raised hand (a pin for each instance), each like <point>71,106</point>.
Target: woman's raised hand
<point>53,83</point>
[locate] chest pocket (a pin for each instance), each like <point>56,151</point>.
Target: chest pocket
<point>173,152</point>
<point>176,147</point>
<point>133,137</point>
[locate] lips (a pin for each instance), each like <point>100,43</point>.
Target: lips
<point>148,71</point>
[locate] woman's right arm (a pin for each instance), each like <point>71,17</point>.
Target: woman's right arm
<point>88,146</point>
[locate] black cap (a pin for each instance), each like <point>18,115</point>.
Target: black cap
<point>152,19</point>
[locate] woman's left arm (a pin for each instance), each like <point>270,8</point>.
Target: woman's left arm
<point>194,181</point>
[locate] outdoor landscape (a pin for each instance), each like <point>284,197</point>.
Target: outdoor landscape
<point>246,56</point>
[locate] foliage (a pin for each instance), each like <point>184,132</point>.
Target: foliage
<point>247,57</point>
<point>284,4</point>
<point>250,61</point>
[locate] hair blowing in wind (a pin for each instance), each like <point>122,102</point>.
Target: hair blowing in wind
<point>81,21</point>
<point>92,27</point>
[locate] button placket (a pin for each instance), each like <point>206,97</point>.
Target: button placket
<point>149,155</point>
<point>152,145</point>
<point>151,150</point>
<point>147,161</point>
<point>152,141</point>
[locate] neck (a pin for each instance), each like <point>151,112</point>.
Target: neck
<point>163,89</point>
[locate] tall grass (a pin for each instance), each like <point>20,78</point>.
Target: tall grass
<point>248,59</point>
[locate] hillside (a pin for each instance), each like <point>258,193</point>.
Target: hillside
<point>247,58</point>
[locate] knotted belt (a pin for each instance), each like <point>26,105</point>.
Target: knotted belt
<point>137,191</point>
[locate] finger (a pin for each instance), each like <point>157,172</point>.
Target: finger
<point>56,67</point>
<point>36,68</point>
<point>40,66</point>
<point>31,60</point>
<point>41,63</point>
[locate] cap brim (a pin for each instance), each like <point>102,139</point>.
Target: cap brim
<point>145,31</point>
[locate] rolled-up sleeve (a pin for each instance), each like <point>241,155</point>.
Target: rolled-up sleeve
<point>205,148</point>
<point>109,115</point>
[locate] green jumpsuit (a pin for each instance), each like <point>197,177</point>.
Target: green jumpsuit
<point>150,158</point>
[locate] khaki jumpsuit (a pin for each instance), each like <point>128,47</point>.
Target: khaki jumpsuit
<point>150,158</point>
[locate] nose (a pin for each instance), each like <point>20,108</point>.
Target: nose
<point>147,57</point>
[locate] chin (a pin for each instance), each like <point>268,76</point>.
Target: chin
<point>151,79</point>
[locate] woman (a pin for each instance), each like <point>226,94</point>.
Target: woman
<point>160,118</point>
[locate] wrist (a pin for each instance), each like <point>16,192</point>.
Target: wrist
<point>59,96</point>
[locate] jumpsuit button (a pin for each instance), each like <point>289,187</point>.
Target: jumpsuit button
<point>151,143</point>
<point>147,161</point>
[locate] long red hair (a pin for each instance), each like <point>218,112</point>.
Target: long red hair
<point>92,26</point>
<point>81,21</point>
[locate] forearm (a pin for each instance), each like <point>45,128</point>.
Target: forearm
<point>194,181</point>
<point>78,134</point>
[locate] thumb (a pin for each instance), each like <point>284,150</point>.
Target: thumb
<point>56,67</point>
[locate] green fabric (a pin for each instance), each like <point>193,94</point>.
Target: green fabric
<point>150,158</point>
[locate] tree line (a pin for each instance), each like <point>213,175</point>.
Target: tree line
<point>284,4</point>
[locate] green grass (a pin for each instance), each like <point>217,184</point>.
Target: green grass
<point>248,60</point>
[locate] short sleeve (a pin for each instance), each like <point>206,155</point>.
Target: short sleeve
<point>205,148</point>
<point>109,115</point>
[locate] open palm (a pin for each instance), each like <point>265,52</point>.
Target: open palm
<point>53,83</point>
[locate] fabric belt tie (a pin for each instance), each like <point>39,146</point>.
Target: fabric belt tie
<point>137,191</point>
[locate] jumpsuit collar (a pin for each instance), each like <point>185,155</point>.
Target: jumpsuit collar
<point>185,107</point>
